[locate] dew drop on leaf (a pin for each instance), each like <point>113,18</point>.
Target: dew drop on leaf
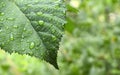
<point>24,29</point>
<point>39,13</point>
<point>41,22</point>
<point>15,26</point>
<point>32,45</point>
<point>11,37</point>
<point>11,19</point>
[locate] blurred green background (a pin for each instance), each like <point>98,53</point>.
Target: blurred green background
<point>90,46</point>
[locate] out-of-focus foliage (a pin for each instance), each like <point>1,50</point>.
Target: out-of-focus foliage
<point>90,45</point>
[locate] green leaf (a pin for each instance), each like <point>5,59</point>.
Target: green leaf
<point>32,27</point>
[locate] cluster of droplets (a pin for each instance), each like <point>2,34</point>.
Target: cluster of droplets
<point>40,22</point>
<point>32,45</point>
<point>12,36</point>
<point>2,4</point>
<point>2,14</point>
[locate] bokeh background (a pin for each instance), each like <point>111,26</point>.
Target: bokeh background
<point>90,45</point>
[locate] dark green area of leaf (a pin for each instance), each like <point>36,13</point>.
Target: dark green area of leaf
<point>32,27</point>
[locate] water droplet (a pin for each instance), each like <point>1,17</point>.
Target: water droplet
<point>39,13</point>
<point>24,29</point>
<point>32,45</point>
<point>1,13</point>
<point>15,26</point>
<point>41,22</point>
<point>54,38</point>
<point>11,37</point>
<point>11,19</point>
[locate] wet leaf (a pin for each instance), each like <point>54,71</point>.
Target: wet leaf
<point>32,27</point>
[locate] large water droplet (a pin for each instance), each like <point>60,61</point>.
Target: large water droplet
<point>41,22</point>
<point>24,29</point>
<point>32,45</point>
<point>39,13</point>
<point>15,26</point>
<point>11,37</point>
<point>11,19</point>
